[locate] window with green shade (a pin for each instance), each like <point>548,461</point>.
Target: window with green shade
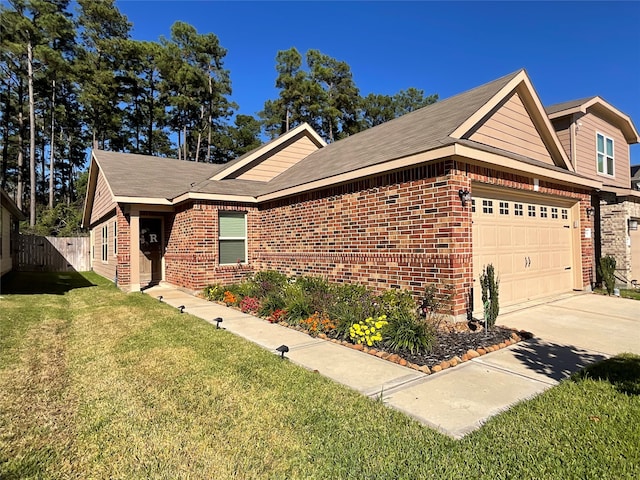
<point>604,154</point>
<point>232,237</point>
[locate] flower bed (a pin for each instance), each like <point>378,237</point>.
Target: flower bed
<point>394,326</point>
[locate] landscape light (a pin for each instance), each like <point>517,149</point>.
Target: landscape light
<point>282,349</point>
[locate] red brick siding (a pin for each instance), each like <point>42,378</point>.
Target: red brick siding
<point>124,248</point>
<point>402,230</point>
<point>191,258</point>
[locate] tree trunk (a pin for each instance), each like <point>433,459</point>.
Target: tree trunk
<point>184,143</point>
<point>5,138</point>
<point>179,146</point>
<point>32,138</point>
<point>52,182</point>
<point>199,133</point>
<point>208,159</point>
<point>20,190</point>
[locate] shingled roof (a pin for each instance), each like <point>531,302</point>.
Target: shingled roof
<point>132,175</point>
<point>559,107</point>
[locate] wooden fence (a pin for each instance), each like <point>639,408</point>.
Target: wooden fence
<point>51,254</point>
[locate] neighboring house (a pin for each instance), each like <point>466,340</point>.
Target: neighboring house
<point>387,207</point>
<point>635,177</point>
<point>596,137</point>
<point>10,215</point>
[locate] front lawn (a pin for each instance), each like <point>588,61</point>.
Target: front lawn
<point>631,293</point>
<point>98,384</point>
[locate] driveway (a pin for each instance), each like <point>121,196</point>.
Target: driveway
<point>569,334</point>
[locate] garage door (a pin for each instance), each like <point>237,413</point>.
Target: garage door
<point>529,243</point>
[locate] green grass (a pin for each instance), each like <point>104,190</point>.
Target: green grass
<point>98,384</point>
<point>633,294</point>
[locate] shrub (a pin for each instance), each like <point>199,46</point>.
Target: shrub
<point>350,303</point>
<point>607,270</point>
<point>296,302</point>
<point>397,303</point>
<point>434,306</point>
<point>270,304</point>
<point>269,282</point>
<point>490,283</point>
<point>406,332</point>
<point>318,323</point>
<point>317,290</point>
<point>368,332</point>
<point>214,293</point>
<point>249,305</point>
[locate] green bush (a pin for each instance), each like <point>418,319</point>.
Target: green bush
<point>607,270</point>
<point>271,303</point>
<point>408,333</point>
<point>214,293</point>
<point>296,302</point>
<point>268,282</point>
<point>350,304</point>
<point>317,290</point>
<point>490,301</point>
<point>397,303</point>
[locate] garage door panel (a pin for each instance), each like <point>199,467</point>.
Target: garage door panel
<point>528,243</point>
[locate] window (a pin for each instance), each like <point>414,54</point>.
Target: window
<point>473,205</point>
<point>232,237</point>
<point>115,238</point>
<point>543,212</point>
<point>565,214</point>
<point>554,212</point>
<point>518,210</point>
<point>504,208</point>
<point>487,206</point>
<point>604,149</point>
<point>105,245</point>
<point>532,210</point>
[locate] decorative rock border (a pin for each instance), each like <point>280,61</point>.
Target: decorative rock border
<point>395,358</point>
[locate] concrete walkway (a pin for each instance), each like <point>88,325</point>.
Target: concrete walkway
<point>570,333</point>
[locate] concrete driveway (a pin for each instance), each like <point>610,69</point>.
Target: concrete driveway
<point>569,334</point>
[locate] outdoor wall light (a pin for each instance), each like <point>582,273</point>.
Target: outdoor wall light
<point>633,224</point>
<point>181,307</point>
<point>160,297</point>
<point>590,211</point>
<point>465,196</point>
<point>218,321</point>
<point>282,349</point>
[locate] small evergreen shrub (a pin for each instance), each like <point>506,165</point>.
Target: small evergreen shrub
<point>607,270</point>
<point>296,302</point>
<point>397,303</point>
<point>489,283</point>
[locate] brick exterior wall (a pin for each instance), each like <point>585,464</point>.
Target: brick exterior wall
<point>405,229</point>
<point>124,249</point>
<point>614,234</point>
<point>191,235</point>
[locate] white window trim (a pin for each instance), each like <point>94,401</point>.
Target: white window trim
<point>613,158</point>
<point>246,241</point>
<point>115,238</point>
<point>104,246</point>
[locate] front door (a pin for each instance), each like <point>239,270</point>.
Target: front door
<point>150,251</point>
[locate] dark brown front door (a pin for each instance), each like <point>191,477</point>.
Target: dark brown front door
<point>150,251</point>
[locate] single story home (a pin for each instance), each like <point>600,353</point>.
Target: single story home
<point>428,198</point>
<point>10,216</point>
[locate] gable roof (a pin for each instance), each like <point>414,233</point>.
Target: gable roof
<point>600,106</point>
<point>9,204</point>
<point>439,130</point>
<point>635,172</point>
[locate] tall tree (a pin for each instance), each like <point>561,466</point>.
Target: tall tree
<point>103,31</point>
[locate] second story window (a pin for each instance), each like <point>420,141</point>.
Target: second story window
<point>604,155</point>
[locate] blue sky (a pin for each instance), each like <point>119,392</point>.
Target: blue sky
<point>570,49</point>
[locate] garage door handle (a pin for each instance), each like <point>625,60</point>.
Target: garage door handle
<point>567,268</point>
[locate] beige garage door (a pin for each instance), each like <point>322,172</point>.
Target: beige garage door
<point>529,242</point>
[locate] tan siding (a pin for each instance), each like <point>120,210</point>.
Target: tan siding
<point>106,269</point>
<point>6,262</point>
<point>102,202</point>
<point>512,129</point>
<point>280,161</point>
<point>586,151</point>
<point>563,130</point>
